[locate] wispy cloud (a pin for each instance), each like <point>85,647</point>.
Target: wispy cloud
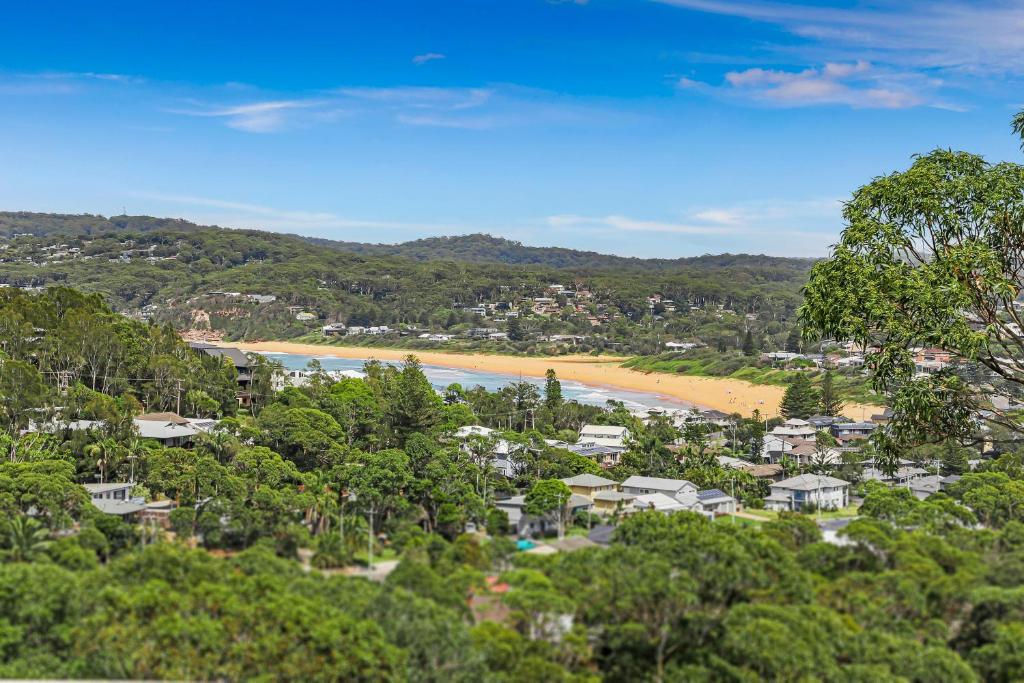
<point>237,214</point>
<point>918,52</point>
<point>984,35</point>
<point>627,224</point>
<point>252,117</point>
<point>856,84</point>
<point>817,219</point>
<point>420,60</point>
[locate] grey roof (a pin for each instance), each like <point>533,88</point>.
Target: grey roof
<point>118,507</point>
<point>162,430</point>
<point>237,356</point>
<point>712,494</point>
<point>591,480</point>
<point>809,482</point>
<point>108,486</point>
<point>656,483</point>
<point>855,425</point>
<point>614,496</point>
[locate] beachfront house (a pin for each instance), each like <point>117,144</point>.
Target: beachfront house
<point>604,435</point>
<point>818,490</point>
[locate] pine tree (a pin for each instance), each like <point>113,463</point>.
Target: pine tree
<point>748,344</point>
<point>831,404</point>
<point>552,391</point>
<point>514,329</point>
<point>793,341</point>
<point>800,400</point>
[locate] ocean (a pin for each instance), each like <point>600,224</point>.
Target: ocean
<point>441,377</point>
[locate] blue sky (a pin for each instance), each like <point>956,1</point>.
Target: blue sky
<point>636,127</point>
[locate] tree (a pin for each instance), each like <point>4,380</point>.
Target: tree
<point>547,496</point>
<point>793,342</point>
<point>25,539</point>
<point>749,348</point>
<point>552,391</point>
<point>831,404</point>
<point>514,329</point>
<point>931,257</point>
<point>800,400</point>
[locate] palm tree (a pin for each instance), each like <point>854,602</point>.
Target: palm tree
<point>1018,126</point>
<point>788,465</point>
<point>25,539</point>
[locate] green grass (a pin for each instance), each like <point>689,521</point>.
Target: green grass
<point>853,387</point>
<point>383,555</point>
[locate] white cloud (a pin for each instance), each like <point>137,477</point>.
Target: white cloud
<point>855,84</point>
<point>816,220</point>
<point>419,60</point>
<point>984,36</point>
<point>252,117</point>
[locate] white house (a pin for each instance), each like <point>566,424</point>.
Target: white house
<point>817,489</point>
<point>673,488</point>
<point>115,498</point>
<point>500,453</point>
<point>794,428</point>
<point>715,501</point>
<point>605,435</point>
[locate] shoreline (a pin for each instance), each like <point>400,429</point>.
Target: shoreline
<point>719,393</point>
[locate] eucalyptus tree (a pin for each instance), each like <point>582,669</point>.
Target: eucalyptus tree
<point>932,257</point>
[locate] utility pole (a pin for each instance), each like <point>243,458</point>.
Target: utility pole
<point>178,411</point>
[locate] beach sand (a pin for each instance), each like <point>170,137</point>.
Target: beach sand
<point>720,393</point>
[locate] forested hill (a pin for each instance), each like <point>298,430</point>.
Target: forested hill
<point>172,270</point>
<point>475,248</point>
<point>480,248</point>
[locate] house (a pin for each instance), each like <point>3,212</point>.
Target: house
<point>237,358</point>
<point>903,476</point>
<point>605,435</point>
<point>590,484</point>
<point>169,429</point>
<point>333,330</point>
<point>794,428</point>
<point>526,525</point>
<point>680,346</point>
<point>115,498</point>
<point>715,501</point>
<point>795,493</point>
<point>661,503</point>
<point>501,449</point>
<point>847,431</point>
<point>771,472</point>
<point>606,456</point>
<point>609,502</point>
<point>674,488</point>
<point>825,421</point>
<point>305,316</point>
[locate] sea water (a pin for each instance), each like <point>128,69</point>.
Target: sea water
<point>441,377</point>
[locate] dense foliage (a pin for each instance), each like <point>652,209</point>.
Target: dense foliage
<point>279,503</point>
<point>169,270</point>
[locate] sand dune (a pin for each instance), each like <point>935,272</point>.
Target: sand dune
<point>728,395</point>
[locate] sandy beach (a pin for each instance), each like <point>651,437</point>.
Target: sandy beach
<point>728,395</point>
